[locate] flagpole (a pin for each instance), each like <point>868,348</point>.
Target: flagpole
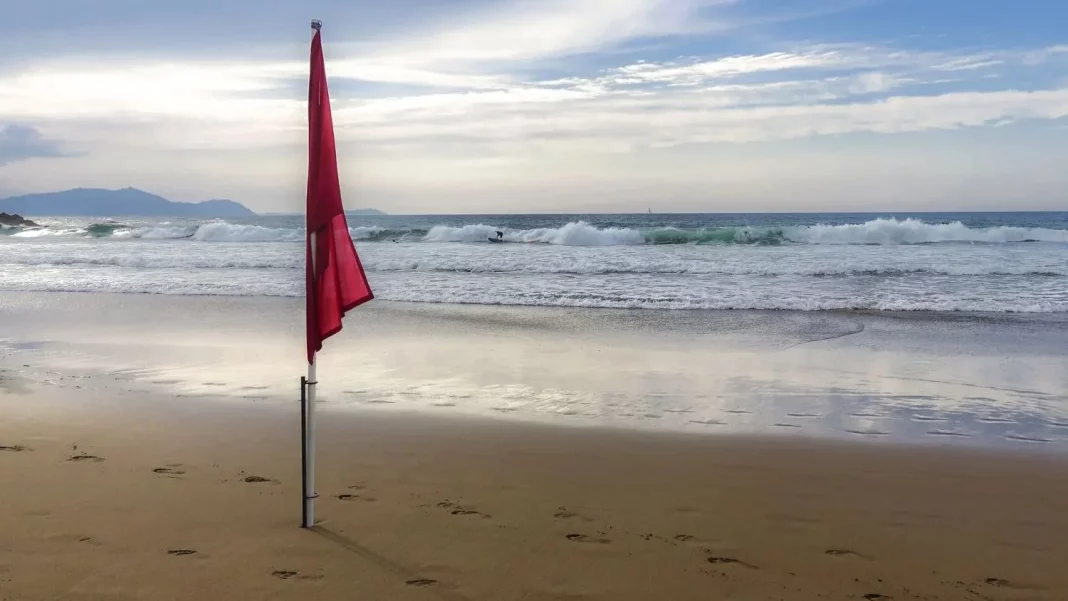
<point>309,438</point>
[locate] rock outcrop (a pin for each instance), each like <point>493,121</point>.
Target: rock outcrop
<point>16,221</point>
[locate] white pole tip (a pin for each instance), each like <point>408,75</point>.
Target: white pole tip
<point>316,24</point>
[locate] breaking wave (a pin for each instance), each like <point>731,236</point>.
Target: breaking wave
<point>580,233</point>
<point>573,234</point>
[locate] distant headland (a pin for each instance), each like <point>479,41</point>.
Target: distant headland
<point>127,202</point>
<point>354,212</point>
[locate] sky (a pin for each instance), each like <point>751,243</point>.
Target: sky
<point>503,106</point>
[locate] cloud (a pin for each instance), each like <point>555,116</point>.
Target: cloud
<point>21,142</point>
<point>814,91</point>
<point>523,30</point>
<point>478,91</point>
<point>726,114</point>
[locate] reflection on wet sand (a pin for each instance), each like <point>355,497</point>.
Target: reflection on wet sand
<point>970,380</point>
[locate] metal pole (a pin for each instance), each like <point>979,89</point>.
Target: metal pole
<point>309,449</point>
<point>303,452</point>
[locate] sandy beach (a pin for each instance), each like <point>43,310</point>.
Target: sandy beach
<point>477,453</point>
<point>120,498</point>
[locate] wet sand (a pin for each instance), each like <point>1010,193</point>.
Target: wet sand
<point>939,379</point>
<point>127,496</point>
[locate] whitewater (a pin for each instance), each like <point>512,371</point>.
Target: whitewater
<point>973,262</point>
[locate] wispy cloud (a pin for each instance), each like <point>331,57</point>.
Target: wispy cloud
<point>526,29</point>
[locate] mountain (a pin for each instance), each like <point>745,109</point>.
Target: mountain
<point>127,202</point>
<point>352,212</point>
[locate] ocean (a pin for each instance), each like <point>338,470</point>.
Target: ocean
<point>941,262</point>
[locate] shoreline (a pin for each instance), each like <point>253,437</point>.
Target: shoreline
<point>949,315</point>
<point>433,507</point>
<point>952,382</point>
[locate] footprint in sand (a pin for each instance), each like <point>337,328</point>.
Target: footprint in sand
<point>696,541</point>
<point>564,514</point>
<point>1002,583</point>
<point>843,553</point>
<point>877,597</point>
<point>458,509</point>
<point>462,511</point>
<point>348,497</point>
<point>421,582</point>
<point>287,574</point>
<point>582,538</point>
<point>728,561</point>
<point>84,458</point>
<point>259,480</point>
<point>180,552</point>
<point>170,470</point>
<point>14,448</point>
<point>998,582</point>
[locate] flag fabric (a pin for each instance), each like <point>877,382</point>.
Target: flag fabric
<point>336,282</point>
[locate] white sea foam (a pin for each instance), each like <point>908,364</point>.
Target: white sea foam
<point>572,234</point>
<point>582,234</point>
<point>1041,260</point>
<point>221,231</point>
<point>216,231</point>
<point>156,233</point>
<point>914,231</point>
<point>364,233</point>
<point>467,233</point>
<point>43,232</point>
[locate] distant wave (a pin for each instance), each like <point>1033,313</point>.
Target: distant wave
<point>580,233</point>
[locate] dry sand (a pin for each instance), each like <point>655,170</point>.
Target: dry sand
<point>201,501</point>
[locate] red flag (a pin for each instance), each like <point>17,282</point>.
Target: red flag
<point>336,282</point>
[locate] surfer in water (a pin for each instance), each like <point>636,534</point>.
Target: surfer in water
<point>500,235</point>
